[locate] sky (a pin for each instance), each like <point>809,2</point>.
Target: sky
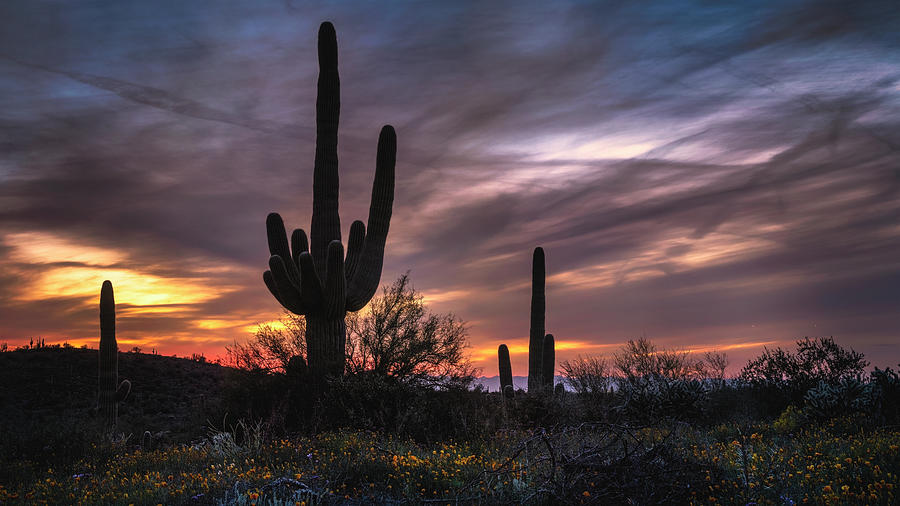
<point>709,175</point>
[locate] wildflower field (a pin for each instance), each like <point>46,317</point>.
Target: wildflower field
<point>831,463</point>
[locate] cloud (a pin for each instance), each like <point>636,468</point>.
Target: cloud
<point>706,174</point>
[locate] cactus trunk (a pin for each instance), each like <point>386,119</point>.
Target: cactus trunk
<point>325,342</point>
<point>548,362</point>
<point>536,335</point>
<point>111,392</point>
<point>505,370</point>
<point>313,278</point>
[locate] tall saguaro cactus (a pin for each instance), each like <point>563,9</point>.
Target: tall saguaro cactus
<point>536,334</point>
<point>313,278</point>
<point>541,348</point>
<point>111,392</point>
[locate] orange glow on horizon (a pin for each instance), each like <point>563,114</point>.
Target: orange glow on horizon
<point>133,288</point>
<point>69,269</point>
<point>489,353</point>
<point>211,344</point>
<point>735,346</point>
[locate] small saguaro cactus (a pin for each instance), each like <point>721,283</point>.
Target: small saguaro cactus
<point>548,362</point>
<point>111,392</point>
<point>505,371</point>
<point>536,334</point>
<point>313,278</point>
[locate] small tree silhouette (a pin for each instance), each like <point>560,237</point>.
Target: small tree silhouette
<point>399,338</point>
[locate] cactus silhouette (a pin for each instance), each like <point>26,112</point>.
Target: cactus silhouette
<point>541,348</point>
<point>313,278</point>
<point>548,362</point>
<point>536,334</point>
<point>505,371</point>
<point>111,392</point>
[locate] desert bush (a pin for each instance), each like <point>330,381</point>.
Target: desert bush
<point>272,346</point>
<point>650,399</point>
<point>398,355</point>
<point>888,382</point>
<point>847,396</point>
<point>398,337</point>
<point>789,421</point>
<point>816,360</point>
<point>653,384</point>
<point>781,377</point>
<point>255,394</point>
<point>714,367</point>
<point>591,381</point>
<point>373,402</point>
<point>587,375</point>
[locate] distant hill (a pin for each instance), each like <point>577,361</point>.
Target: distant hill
<point>170,397</point>
<point>174,399</point>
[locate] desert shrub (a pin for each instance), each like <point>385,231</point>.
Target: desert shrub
<point>395,336</point>
<point>254,394</point>
<point>653,398</point>
<point>646,384</point>
<point>272,346</point>
<point>789,421</point>
<point>398,337</point>
<point>591,381</point>
<point>888,382</point>
<point>374,402</point>
<point>400,357</point>
<point>654,384</point>
<point>551,409</point>
<point>847,396</point>
<point>781,377</point>
<point>587,375</point>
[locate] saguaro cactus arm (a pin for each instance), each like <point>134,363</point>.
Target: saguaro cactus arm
<point>123,390</point>
<point>355,244</point>
<point>505,368</point>
<point>367,271</point>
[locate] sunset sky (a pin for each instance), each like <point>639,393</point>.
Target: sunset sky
<point>706,174</point>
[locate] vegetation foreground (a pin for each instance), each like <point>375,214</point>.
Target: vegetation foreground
<point>653,426</point>
<point>830,463</point>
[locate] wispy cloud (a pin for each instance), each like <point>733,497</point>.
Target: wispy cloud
<point>705,175</point>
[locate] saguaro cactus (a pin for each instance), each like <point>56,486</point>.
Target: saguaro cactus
<point>111,392</point>
<point>541,348</point>
<point>506,381</point>
<point>548,362</point>
<point>313,278</point>
<point>536,334</point>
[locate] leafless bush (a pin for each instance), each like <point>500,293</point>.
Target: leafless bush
<point>271,347</point>
<point>399,338</point>
<point>587,375</point>
<point>396,337</point>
